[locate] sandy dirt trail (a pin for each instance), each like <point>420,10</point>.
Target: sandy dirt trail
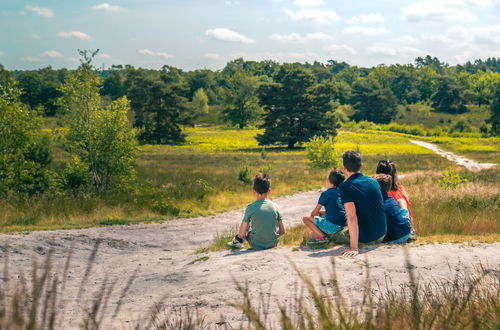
<point>162,254</point>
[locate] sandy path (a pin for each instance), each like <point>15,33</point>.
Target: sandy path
<point>462,161</point>
<point>162,253</point>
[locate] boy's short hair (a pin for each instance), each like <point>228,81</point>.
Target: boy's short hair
<point>352,160</point>
<point>336,177</point>
<point>385,182</point>
<point>261,183</point>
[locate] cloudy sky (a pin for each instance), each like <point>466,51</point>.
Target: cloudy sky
<point>195,34</point>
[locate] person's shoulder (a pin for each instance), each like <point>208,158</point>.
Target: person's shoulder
<point>271,203</point>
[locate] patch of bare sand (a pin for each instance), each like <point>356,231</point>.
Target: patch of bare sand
<point>162,255</point>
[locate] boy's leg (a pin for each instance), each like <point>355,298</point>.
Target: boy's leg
<point>309,222</point>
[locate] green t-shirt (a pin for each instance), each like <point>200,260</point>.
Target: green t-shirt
<point>263,216</point>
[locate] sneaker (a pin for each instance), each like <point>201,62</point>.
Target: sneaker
<point>235,244</point>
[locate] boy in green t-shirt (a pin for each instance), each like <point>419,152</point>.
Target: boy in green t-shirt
<point>262,224</point>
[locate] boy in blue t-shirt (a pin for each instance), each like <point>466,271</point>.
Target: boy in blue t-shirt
<point>398,218</point>
<point>333,218</point>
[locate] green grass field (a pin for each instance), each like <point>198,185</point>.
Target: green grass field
<point>200,177</point>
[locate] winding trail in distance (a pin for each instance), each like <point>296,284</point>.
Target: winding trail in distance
<point>459,160</point>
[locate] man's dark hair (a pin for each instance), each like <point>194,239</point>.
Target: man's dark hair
<point>261,183</point>
<point>385,182</point>
<point>386,166</point>
<point>336,177</point>
<point>352,160</point>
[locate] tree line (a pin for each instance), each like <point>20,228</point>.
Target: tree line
<point>291,101</point>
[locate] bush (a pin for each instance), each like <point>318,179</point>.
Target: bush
<point>76,174</point>
<point>321,152</point>
<point>451,178</point>
<point>245,173</point>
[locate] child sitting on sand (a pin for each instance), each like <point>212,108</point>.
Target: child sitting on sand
<point>397,191</point>
<point>262,224</point>
<point>398,219</point>
<point>333,218</point>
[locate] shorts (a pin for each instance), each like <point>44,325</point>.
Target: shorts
<point>326,226</point>
<point>400,240</point>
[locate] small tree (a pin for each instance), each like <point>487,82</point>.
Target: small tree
<point>24,148</point>
<point>240,102</point>
<point>100,137</point>
<point>321,152</point>
<point>200,101</point>
<point>495,112</point>
<point>448,97</point>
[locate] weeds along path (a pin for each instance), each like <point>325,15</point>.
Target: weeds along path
<point>459,160</point>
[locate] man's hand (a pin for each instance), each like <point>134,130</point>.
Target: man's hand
<point>350,253</point>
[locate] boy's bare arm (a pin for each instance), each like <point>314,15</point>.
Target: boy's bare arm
<point>281,227</point>
<point>352,225</point>
<point>316,210</point>
<point>243,230</point>
<point>402,204</point>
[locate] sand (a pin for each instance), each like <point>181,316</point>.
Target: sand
<point>161,254</point>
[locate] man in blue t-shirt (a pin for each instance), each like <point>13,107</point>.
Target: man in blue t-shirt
<point>398,219</point>
<point>333,218</point>
<point>364,206</point>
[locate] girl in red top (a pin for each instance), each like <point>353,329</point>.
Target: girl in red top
<point>397,191</point>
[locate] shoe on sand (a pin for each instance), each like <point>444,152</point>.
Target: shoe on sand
<point>235,244</point>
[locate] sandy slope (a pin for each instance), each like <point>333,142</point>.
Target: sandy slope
<point>161,254</point>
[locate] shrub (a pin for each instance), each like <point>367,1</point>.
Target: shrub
<point>76,174</point>
<point>321,152</point>
<point>245,173</point>
<point>451,178</point>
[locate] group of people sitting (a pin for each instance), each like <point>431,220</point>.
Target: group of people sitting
<point>354,209</point>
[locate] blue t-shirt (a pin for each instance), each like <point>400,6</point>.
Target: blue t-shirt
<point>367,197</point>
<point>397,225</point>
<point>334,210</point>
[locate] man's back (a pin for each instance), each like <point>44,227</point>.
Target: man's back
<point>367,197</point>
<point>263,216</point>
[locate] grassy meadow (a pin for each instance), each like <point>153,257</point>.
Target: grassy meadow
<point>203,176</point>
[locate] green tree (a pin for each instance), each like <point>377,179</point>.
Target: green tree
<point>494,119</point>
<point>200,101</point>
<point>240,101</point>
<point>448,97</point>
<point>426,82</point>
<point>98,136</point>
<point>24,147</point>
<point>296,107</point>
<point>372,102</point>
<point>159,105</point>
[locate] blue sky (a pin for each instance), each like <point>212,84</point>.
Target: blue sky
<point>195,34</point>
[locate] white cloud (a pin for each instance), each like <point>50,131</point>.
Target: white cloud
<point>46,12</point>
<point>366,19</point>
<point>439,38</point>
<point>484,3</point>
<point>35,36</point>
<point>286,37</point>
<point>308,3</point>
<point>51,53</point>
<point>224,34</point>
<point>105,56</point>
<point>318,36</point>
<point>32,59</point>
<point>107,7</point>
<point>152,53</point>
<point>488,35</point>
<point>212,56</point>
<point>1,53</point>
<point>366,31</point>
<point>74,34</point>
<point>459,32</point>
<point>314,15</point>
<point>232,3</point>
<point>344,49</point>
<point>393,51</point>
<point>437,11</point>
<point>407,39</point>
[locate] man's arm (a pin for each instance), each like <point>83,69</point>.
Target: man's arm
<point>243,230</point>
<point>281,226</point>
<point>352,225</point>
